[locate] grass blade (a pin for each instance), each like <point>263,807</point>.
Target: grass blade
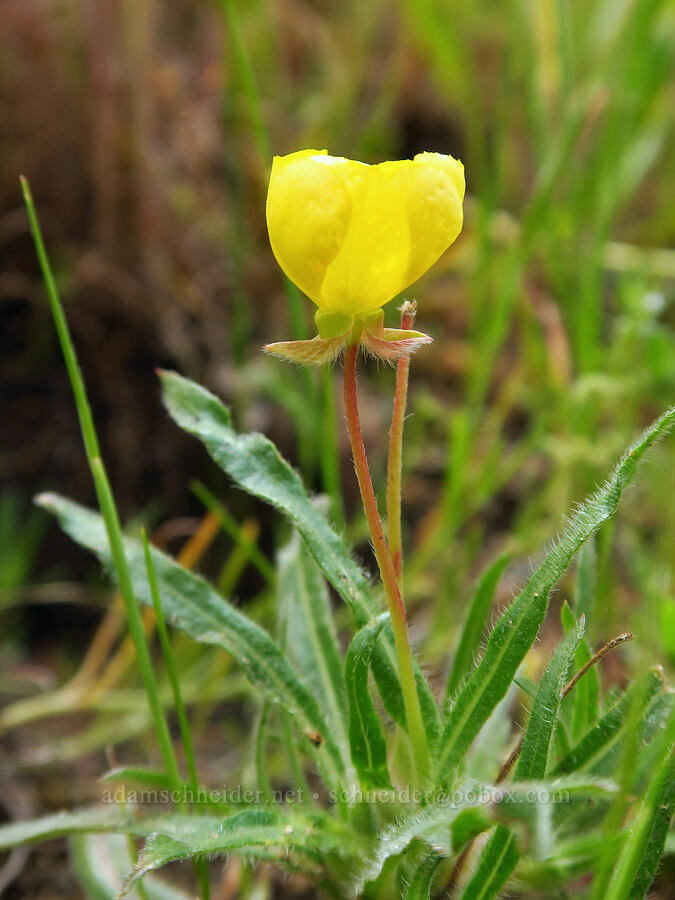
<point>104,495</point>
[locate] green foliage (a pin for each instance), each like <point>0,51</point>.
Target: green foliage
<point>366,738</point>
<point>256,465</point>
<point>518,627</point>
<point>193,605</point>
<point>532,816</point>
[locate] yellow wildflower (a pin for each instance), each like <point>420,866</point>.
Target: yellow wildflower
<point>353,236</point>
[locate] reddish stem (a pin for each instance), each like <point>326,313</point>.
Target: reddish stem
<point>395,461</point>
<point>384,562</point>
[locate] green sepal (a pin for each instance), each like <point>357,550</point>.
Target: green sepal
<point>333,323</point>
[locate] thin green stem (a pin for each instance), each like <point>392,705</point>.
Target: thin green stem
<point>411,701</point>
<point>106,502</point>
<point>234,530</point>
<point>76,381</point>
<point>108,509</point>
<point>170,664</point>
<point>395,461</point>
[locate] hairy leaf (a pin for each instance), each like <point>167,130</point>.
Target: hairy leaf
<point>421,880</point>
<point>193,605</point>
<point>501,854</point>
<point>101,862</point>
<point>255,464</point>
<point>518,627</point>
<point>267,834</point>
<point>602,742</point>
<point>366,738</point>
<point>308,635</point>
<point>476,623</point>
<point>537,746</point>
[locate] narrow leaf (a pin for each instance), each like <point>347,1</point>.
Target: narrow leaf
<point>518,627</point>
<point>366,738</point>
<point>419,886</point>
<point>308,634</point>
<point>500,856</point>
<point>60,824</point>
<point>603,742</point>
<point>255,464</point>
<point>585,696</point>
<point>267,834</point>
<point>476,624</point>
<point>537,746</point>
<point>497,862</point>
<point>193,605</point>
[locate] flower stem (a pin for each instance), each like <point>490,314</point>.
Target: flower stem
<point>411,702</point>
<point>394,464</point>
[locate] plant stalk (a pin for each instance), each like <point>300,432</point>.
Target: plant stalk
<point>395,461</point>
<point>411,701</point>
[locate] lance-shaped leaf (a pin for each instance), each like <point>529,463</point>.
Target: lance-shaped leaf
<point>500,856</point>
<point>255,464</point>
<point>366,738</point>
<point>599,748</point>
<point>59,824</point>
<point>261,834</point>
<point>102,861</point>
<point>476,624</point>
<point>641,852</point>
<point>585,697</point>
<point>422,875</point>
<point>193,605</point>
<point>538,744</point>
<point>308,635</point>
<point>518,627</point>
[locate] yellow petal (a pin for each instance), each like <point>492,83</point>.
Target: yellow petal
<point>308,214</point>
<point>434,190</point>
<point>354,236</point>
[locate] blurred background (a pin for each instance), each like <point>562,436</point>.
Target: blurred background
<point>146,130</point>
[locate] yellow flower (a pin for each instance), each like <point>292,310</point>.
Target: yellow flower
<point>353,236</point>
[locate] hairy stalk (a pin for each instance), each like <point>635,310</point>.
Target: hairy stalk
<point>395,461</point>
<point>387,573</point>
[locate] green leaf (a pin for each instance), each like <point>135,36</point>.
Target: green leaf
<point>308,635</point>
<point>654,832</point>
<point>476,624</point>
<point>497,862</point>
<point>101,862</point>
<point>60,824</point>
<point>587,580</point>
<point>640,854</point>
<point>137,775</point>
<point>599,748</point>
<point>262,834</point>
<point>419,885</point>
<point>366,738</point>
<point>538,744</point>
<point>501,854</point>
<point>585,697</point>
<point>193,605</point>
<point>433,824</point>
<point>518,627</point>
<point>255,464</point>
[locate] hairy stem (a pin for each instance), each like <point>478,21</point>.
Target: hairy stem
<point>387,573</point>
<point>394,463</point>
